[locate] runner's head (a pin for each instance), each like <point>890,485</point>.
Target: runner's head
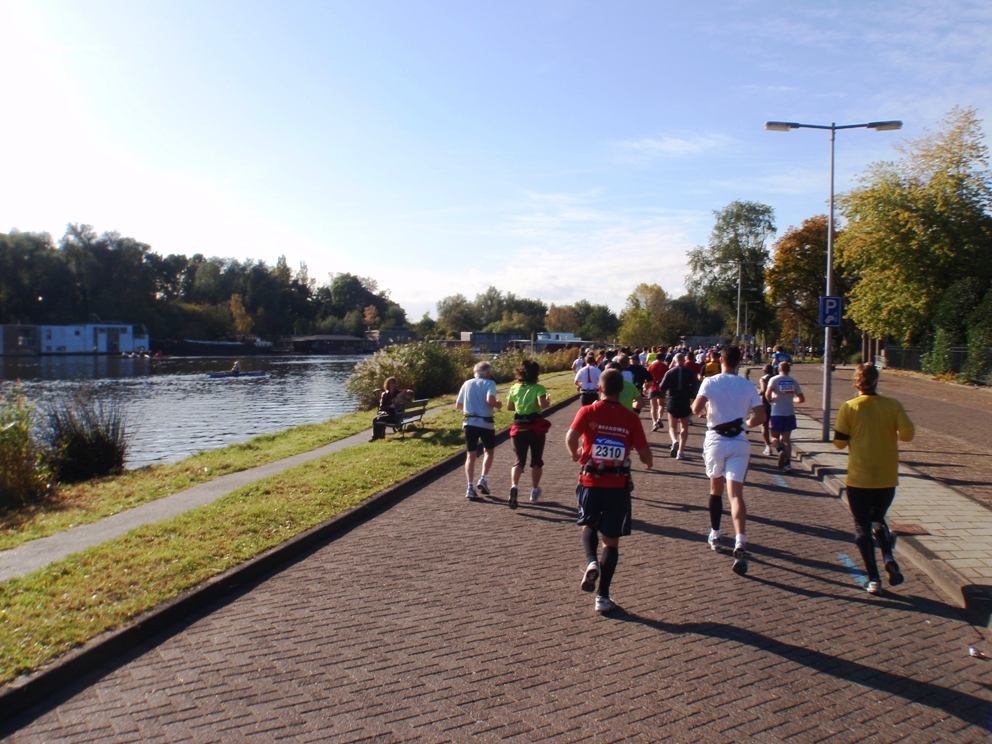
<point>591,359</point>
<point>730,357</point>
<point>528,372</point>
<point>768,369</point>
<point>482,369</point>
<point>623,360</point>
<point>678,359</point>
<point>784,368</point>
<point>611,383</point>
<point>866,378</point>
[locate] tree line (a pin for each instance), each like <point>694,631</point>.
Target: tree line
<point>175,296</point>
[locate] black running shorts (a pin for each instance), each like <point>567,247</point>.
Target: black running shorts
<point>476,434</point>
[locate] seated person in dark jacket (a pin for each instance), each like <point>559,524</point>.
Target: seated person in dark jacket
<point>390,407</point>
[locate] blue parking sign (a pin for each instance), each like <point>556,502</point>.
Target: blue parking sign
<point>830,312</point>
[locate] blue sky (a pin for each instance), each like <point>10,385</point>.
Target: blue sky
<point>560,150</point>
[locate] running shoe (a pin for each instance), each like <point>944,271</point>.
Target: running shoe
<point>787,468</point>
<point>482,487</point>
<point>535,494</point>
<point>767,451</point>
<point>873,587</point>
<point>680,456</point>
<point>895,575</point>
<point>675,449</point>
<point>714,542</point>
<point>470,494</point>
<point>604,605</point>
<point>783,458</point>
<point>590,577</point>
<point>656,426</point>
<point>513,498</point>
<point>740,560</point>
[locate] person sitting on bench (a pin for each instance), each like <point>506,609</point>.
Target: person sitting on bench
<point>390,407</point>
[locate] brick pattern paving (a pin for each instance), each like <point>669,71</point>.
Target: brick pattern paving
<point>445,620</point>
<point>952,443</point>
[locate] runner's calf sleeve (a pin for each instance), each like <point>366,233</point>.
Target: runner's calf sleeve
<point>590,541</point>
<point>716,511</point>
<point>606,569</point>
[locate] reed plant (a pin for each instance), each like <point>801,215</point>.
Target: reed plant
<point>85,438</point>
<point>24,479</point>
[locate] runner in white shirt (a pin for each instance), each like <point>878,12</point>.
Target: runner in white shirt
<point>587,380</point>
<point>783,393</point>
<point>731,404</point>
<point>579,362</point>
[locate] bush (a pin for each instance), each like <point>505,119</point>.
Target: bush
<point>979,365</point>
<point>86,439</point>
<point>23,476</point>
<point>938,360</point>
<point>431,370</point>
<point>428,369</point>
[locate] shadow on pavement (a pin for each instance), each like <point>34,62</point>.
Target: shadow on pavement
<point>968,708</point>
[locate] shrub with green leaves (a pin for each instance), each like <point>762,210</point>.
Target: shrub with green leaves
<point>23,476</point>
<point>979,366</point>
<point>86,439</point>
<point>428,369</point>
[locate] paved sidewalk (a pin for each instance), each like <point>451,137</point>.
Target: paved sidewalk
<point>445,620</point>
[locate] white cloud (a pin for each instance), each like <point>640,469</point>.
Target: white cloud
<point>675,146</point>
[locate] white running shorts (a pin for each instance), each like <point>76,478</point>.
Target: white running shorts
<point>725,457</point>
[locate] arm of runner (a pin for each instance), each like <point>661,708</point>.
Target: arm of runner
<point>645,457</point>
<point>842,428</point>
<point>757,417</point>
<point>544,402</point>
<point>572,443</point>
<point>904,426</point>
<point>699,405</point>
<point>510,406</point>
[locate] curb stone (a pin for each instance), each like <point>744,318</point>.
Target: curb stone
<point>975,601</point>
<point>25,691</point>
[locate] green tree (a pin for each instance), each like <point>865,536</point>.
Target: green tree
<point>738,243</point>
<point>639,328</point>
<point>562,318</point>
<point>917,225</point>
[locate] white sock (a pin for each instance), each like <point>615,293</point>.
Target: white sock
<point>714,533</point>
<point>482,479</point>
<point>741,539</point>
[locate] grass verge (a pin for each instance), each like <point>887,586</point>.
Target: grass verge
<point>50,611</point>
<point>88,502</point>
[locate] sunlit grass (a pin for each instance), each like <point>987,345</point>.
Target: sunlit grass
<point>52,610</point>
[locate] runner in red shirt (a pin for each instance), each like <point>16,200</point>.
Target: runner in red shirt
<point>601,439</point>
<point>657,368</point>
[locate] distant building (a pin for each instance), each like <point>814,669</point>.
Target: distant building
<point>18,340</point>
<point>550,341</point>
<point>695,341</point>
<point>92,338</point>
<point>491,343</point>
<point>85,338</point>
<point>329,344</point>
<point>391,336</point>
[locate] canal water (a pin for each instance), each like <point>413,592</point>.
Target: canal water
<point>174,409</point>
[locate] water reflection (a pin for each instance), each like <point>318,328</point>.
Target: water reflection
<point>175,410</point>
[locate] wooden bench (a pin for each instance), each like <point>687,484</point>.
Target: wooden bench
<point>411,415</point>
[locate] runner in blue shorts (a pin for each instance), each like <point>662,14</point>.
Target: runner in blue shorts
<point>783,392</point>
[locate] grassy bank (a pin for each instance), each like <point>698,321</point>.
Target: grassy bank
<point>50,611</point>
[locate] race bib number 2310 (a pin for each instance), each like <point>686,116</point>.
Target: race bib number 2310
<point>606,449</point>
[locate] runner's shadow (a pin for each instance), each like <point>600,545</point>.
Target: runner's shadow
<point>901,602</point>
<point>963,706</point>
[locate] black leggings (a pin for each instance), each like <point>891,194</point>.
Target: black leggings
<point>868,507</point>
<point>527,439</point>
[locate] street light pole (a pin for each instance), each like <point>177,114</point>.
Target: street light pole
<point>785,126</point>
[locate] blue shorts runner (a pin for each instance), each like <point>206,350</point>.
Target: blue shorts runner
<point>782,423</point>
<point>607,506</point>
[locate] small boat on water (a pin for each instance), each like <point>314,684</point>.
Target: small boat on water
<point>222,375</point>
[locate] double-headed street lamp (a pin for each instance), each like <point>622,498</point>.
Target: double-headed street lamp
<point>785,126</point>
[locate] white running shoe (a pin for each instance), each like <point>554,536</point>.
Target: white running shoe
<point>482,487</point>
<point>714,542</point>
<point>873,587</point>
<point>535,494</point>
<point>767,451</point>
<point>590,577</point>
<point>740,560</point>
<point>604,605</point>
<point>680,456</point>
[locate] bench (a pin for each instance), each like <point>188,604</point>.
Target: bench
<point>411,415</point>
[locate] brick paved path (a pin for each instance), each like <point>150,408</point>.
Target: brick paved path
<point>952,443</point>
<point>444,620</point>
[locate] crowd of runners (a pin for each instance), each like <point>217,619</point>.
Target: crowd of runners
<point>677,383</point>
